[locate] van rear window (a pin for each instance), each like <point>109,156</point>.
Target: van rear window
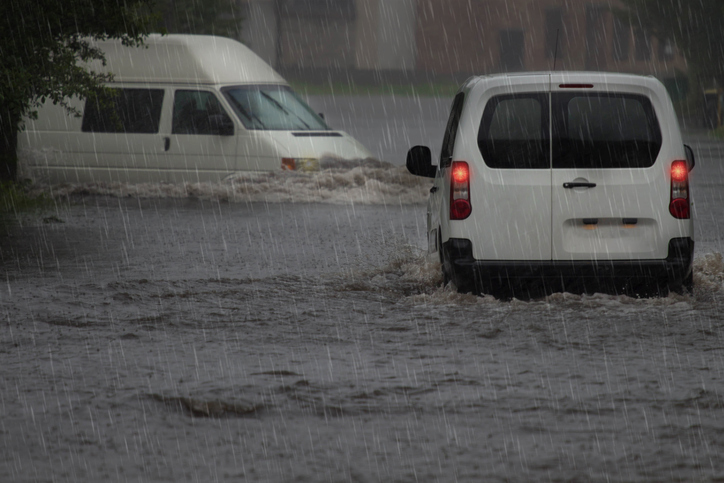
<point>128,111</point>
<point>514,132</point>
<point>604,131</point>
<point>591,130</point>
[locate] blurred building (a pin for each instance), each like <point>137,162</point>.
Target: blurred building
<point>433,39</point>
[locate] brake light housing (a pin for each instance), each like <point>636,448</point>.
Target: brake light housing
<point>679,205</point>
<point>460,207</point>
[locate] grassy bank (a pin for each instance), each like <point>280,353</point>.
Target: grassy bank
<point>16,201</point>
<point>718,132</point>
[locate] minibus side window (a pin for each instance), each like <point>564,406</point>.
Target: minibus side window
<point>197,112</point>
<point>126,111</point>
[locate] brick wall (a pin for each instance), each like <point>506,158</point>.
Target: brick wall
<point>455,36</point>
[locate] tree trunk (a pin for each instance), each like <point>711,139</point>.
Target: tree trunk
<point>8,145</point>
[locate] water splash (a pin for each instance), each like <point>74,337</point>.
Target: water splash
<point>367,182</point>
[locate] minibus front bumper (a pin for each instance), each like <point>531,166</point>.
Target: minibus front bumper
<point>536,278</point>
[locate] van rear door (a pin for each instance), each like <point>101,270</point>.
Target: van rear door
<point>510,191</point>
<point>607,190</point>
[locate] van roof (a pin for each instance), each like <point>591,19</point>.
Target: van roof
<point>593,74</point>
<point>185,59</point>
<point>599,80</point>
<point>573,76</point>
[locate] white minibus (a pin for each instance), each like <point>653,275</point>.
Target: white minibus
<point>184,108</point>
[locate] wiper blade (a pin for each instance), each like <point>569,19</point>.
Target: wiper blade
<point>246,113</point>
<point>284,109</point>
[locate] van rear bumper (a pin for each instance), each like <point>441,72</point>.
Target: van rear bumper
<point>535,278</point>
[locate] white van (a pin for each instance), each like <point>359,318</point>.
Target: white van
<point>561,181</point>
<point>187,108</point>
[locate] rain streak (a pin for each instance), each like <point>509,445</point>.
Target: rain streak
<point>275,325</point>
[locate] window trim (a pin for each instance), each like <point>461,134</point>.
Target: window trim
<point>451,130</point>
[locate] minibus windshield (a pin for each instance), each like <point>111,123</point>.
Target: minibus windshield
<point>272,108</point>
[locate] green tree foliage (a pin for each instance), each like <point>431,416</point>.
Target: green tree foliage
<point>42,46</point>
<point>696,26</point>
<point>203,17</point>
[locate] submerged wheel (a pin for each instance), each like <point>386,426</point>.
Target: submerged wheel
<point>687,286</point>
<point>439,246</point>
<point>688,283</point>
<point>446,278</point>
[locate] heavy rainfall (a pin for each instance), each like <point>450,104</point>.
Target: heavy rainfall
<point>291,325</point>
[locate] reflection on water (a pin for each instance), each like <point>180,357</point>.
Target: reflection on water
<point>374,370</point>
<point>173,335</point>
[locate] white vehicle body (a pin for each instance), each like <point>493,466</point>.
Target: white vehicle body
<point>247,119</point>
<point>569,185</point>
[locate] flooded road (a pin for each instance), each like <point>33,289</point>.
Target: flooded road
<point>301,334</point>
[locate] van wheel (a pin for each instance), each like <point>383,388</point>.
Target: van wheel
<point>687,286</point>
<point>688,283</point>
<point>446,279</point>
<point>445,275</point>
<point>439,245</point>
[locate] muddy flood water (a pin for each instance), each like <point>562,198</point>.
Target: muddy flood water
<point>291,328</point>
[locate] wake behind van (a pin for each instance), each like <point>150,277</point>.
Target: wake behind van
<point>185,108</point>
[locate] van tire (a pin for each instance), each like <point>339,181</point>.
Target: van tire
<point>446,277</point>
<point>686,286</point>
<point>439,244</point>
<point>688,283</point>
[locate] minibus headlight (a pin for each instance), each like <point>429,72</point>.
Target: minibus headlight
<point>300,164</point>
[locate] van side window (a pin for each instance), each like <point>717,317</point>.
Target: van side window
<point>448,142</point>
<point>129,111</point>
<point>604,131</point>
<point>514,132</point>
<point>197,112</point>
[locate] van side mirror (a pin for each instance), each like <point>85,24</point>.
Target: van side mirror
<point>689,156</point>
<point>221,125</point>
<point>419,162</point>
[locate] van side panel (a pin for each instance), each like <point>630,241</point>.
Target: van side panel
<point>54,149</point>
<point>511,208</point>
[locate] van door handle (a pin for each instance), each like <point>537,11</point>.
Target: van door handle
<point>578,185</point>
<point>166,144</point>
<point>433,189</point>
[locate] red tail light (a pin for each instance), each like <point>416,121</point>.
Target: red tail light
<point>460,172</point>
<point>679,171</point>
<point>460,207</point>
<point>679,204</point>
